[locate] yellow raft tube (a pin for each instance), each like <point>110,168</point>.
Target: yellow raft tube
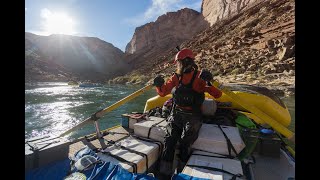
<point>262,102</point>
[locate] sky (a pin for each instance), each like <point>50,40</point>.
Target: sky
<point>113,21</point>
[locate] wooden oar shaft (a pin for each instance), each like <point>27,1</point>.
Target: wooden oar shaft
<point>80,125</point>
<point>124,100</point>
<point>100,113</point>
<point>266,118</point>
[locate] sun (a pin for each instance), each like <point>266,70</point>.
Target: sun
<point>57,23</point>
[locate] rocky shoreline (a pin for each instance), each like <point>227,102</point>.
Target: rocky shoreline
<point>282,84</point>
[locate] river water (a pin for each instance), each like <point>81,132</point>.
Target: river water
<point>54,107</point>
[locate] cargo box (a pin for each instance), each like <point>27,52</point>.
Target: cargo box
<point>153,128</point>
<point>200,158</point>
<point>114,152</point>
<point>212,139</point>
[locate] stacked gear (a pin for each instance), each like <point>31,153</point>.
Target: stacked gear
<point>86,164</point>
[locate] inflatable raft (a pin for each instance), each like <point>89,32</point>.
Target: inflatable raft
<point>232,144</point>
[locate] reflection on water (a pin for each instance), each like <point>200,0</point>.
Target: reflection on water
<point>56,107</point>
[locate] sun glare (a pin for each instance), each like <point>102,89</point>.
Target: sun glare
<point>58,23</point>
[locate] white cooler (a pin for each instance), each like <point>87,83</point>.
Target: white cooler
<point>211,139</point>
<point>149,148</point>
<point>156,125</point>
<point>231,165</point>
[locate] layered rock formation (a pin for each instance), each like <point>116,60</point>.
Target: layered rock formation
<point>168,31</point>
<point>90,58</point>
<point>217,10</point>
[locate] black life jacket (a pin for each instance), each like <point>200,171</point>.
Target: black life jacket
<point>184,95</point>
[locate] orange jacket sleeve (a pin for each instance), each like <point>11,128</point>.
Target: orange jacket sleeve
<point>201,86</point>
<point>216,93</point>
<point>166,88</point>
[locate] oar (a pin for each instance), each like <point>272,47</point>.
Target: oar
<point>101,112</point>
<point>254,110</point>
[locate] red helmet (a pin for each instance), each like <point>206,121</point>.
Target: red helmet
<point>184,53</point>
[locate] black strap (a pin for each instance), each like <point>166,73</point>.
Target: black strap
<point>112,133</point>
<point>225,157</point>
<point>193,77</point>
<point>137,152</point>
<point>160,145</point>
<point>149,131</point>
<point>195,108</point>
<point>111,142</point>
<point>132,164</point>
<point>179,77</point>
<point>93,137</point>
<point>230,146</point>
<point>90,138</point>
<point>234,176</point>
<point>107,133</point>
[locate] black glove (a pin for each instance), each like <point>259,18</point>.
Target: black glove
<point>158,81</point>
<point>206,75</point>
